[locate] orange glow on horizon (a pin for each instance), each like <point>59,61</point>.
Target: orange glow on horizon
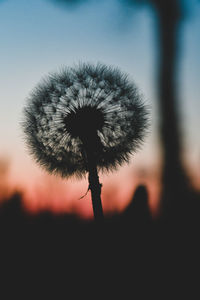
<point>44,192</point>
<point>59,196</point>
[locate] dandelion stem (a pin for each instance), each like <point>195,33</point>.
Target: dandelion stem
<point>94,185</point>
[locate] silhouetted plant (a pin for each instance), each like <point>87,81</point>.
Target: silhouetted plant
<point>85,119</point>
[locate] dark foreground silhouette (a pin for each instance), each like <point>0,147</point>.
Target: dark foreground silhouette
<point>130,253</point>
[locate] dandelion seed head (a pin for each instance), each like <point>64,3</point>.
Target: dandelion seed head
<point>89,105</point>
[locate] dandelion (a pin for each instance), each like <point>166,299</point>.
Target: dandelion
<point>85,119</point>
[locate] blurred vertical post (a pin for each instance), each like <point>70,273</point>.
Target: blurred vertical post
<point>174,178</point>
<point>169,18</point>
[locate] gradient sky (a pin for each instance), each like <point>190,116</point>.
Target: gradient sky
<point>37,37</point>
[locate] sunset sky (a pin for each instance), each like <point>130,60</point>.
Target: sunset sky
<point>39,36</point>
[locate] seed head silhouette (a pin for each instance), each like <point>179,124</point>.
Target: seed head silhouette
<point>85,119</point>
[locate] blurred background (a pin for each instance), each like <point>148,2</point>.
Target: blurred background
<point>150,238</point>
<point>156,42</point>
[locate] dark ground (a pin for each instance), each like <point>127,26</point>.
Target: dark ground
<point>130,254</point>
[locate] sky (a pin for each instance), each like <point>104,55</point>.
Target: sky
<point>38,36</point>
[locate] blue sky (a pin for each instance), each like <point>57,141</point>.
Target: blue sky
<point>37,37</point>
